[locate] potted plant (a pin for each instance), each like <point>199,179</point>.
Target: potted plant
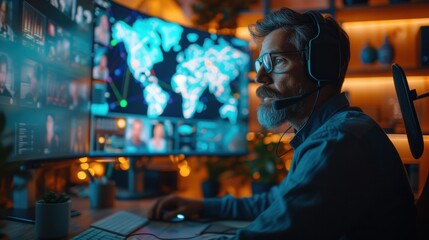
<point>53,216</point>
<point>218,168</point>
<point>214,167</point>
<point>265,168</point>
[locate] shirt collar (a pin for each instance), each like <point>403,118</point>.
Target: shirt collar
<point>319,117</point>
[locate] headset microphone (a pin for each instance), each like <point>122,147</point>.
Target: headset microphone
<point>286,102</point>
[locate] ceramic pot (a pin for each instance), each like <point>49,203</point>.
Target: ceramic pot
<point>102,194</point>
<point>386,52</point>
<point>368,55</point>
<point>52,220</point>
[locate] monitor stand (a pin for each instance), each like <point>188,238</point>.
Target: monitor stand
<point>135,182</point>
<point>24,200</point>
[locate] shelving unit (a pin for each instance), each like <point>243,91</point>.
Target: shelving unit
<point>371,86</point>
<point>382,12</point>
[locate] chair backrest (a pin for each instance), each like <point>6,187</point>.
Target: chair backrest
<point>406,99</point>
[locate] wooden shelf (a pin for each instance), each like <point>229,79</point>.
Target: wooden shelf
<point>385,72</point>
<point>382,12</point>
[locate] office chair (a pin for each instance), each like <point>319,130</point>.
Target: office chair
<point>415,141</point>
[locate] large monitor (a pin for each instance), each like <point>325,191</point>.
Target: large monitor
<point>45,78</point>
<point>160,88</point>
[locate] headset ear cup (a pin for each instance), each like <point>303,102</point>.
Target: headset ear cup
<point>323,51</point>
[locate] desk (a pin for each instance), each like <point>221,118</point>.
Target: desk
<point>25,231</point>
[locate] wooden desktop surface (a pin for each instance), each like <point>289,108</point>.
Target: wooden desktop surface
<point>78,224</point>
<point>26,231</point>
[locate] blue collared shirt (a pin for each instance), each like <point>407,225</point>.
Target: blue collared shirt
<point>346,181</point>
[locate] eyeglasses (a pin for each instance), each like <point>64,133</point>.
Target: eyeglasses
<point>266,60</point>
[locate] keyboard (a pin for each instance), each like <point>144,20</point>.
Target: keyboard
<point>116,226</point>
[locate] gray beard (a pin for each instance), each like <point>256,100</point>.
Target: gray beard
<point>270,118</point>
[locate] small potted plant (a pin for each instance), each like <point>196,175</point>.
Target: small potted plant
<point>265,168</point>
<point>53,216</point>
<point>214,167</point>
<point>219,169</point>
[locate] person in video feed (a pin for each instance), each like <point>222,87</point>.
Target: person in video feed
<point>35,94</point>
<point>101,71</point>
<point>135,143</point>
<point>78,139</point>
<point>76,99</point>
<point>52,140</point>
<point>4,92</point>
<point>158,143</point>
<point>102,30</point>
<point>5,29</point>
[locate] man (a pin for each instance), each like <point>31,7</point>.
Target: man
<point>34,95</point>
<point>101,71</point>
<point>135,143</point>
<point>346,180</point>
<point>4,92</point>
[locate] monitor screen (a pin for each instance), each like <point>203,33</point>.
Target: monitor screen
<point>45,77</point>
<point>162,88</point>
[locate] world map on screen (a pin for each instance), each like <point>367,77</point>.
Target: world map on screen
<point>210,66</point>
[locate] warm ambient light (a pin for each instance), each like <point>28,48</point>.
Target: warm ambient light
<point>81,175</point>
<point>124,164</point>
<point>256,176</point>
<point>182,164</point>
<point>101,140</point>
<point>380,82</point>
<point>83,160</point>
<point>84,166</point>
<point>366,25</point>
<point>98,169</point>
<point>121,123</point>
<point>185,171</point>
<point>250,136</point>
<point>267,140</point>
<point>91,171</point>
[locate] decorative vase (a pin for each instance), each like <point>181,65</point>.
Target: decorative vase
<point>354,2</point>
<point>368,55</point>
<point>386,52</point>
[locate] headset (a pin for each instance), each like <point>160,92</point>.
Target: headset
<point>323,53</point>
<point>323,58</point>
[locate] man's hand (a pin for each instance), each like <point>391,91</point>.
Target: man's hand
<point>169,206</point>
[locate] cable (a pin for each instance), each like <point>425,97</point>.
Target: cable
<point>305,124</point>
<point>278,143</point>
<point>225,232</point>
<point>153,235</point>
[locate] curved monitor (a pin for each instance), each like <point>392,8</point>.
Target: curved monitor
<point>45,77</point>
<point>406,98</point>
<point>160,88</point>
